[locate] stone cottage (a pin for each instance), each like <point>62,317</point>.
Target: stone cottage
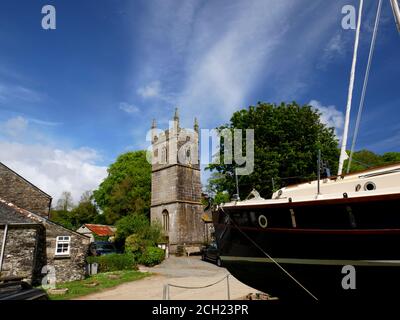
<point>32,245</point>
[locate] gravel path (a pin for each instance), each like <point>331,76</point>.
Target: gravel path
<point>183,271</point>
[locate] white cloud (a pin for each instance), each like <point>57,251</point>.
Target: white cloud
<point>14,127</point>
<point>329,116</point>
<point>21,129</point>
<point>53,169</point>
<point>128,108</point>
<point>151,90</point>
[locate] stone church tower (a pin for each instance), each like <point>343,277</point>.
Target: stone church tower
<point>175,184</point>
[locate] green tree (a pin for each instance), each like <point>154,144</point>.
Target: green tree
<point>136,233</point>
<point>65,202</point>
<point>62,217</point>
<point>126,190</point>
<point>365,159</point>
<point>391,157</point>
<point>287,139</point>
<point>85,212</point>
<point>215,188</point>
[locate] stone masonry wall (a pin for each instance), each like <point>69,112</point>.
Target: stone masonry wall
<point>185,224</point>
<point>164,185</point>
<point>189,185</point>
<point>73,266</point>
<point>31,251</point>
<point>21,256</point>
<point>20,192</point>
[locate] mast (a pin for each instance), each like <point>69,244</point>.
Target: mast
<point>343,154</point>
<point>396,12</point>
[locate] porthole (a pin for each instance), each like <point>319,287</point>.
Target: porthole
<point>358,187</point>
<point>262,221</point>
<point>369,186</point>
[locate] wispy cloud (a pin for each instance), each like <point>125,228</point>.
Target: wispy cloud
<point>150,90</point>
<point>44,123</point>
<point>334,50</point>
<point>18,128</point>
<point>14,127</point>
<point>19,93</point>
<point>390,143</point>
<point>214,57</point>
<point>128,108</point>
<point>330,116</point>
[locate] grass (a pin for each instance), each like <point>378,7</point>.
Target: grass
<point>78,288</point>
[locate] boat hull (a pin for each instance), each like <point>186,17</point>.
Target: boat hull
<point>323,282</point>
<point>310,260</point>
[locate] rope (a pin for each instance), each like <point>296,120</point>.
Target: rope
<point>269,257</point>
<point>364,89</point>
<point>201,287</point>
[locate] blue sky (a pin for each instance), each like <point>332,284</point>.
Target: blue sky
<point>74,98</point>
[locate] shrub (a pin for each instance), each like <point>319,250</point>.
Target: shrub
<point>152,256</point>
<point>139,225</point>
<point>133,243</point>
<point>131,224</point>
<point>114,262</point>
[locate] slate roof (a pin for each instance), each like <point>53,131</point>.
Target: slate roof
<point>10,213</point>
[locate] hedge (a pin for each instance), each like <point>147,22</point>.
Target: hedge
<point>113,262</point>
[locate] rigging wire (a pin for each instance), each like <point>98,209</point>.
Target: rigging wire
<point>364,89</point>
<point>269,257</point>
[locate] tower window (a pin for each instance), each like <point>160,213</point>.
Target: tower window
<point>165,220</point>
<point>164,156</point>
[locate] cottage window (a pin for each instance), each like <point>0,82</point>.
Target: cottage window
<point>63,245</point>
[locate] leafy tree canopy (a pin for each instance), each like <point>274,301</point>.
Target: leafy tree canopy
<point>85,212</point>
<point>126,190</point>
<point>287,139</point>
<point>139,230</point>
<point>65,203</point>
<point>365,159</point>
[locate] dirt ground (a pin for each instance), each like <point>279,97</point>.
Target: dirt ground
<point>182,271</point>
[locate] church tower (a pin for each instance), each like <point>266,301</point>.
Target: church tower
<point>175,183</point>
